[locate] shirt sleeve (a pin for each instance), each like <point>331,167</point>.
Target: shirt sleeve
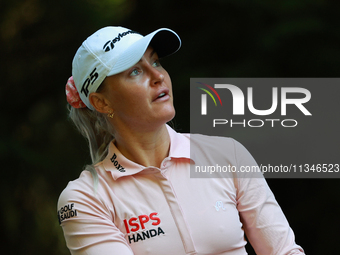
<point>264,223</point>
<point>87,224</point>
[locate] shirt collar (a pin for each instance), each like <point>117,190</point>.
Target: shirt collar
<point>119,165</point>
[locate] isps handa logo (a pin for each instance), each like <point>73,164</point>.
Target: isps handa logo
<point>143,227</point>
<point>220,100</point>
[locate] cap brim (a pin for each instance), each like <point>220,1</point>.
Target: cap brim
<point>164,41</point>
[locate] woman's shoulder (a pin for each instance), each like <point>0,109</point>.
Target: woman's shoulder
<point>79,198</point>
<point>204,145</point>
<point>78,189</point>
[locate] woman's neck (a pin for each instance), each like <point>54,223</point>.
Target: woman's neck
<point>144,148</point>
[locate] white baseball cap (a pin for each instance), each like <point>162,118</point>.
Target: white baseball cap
<point>112,50</point>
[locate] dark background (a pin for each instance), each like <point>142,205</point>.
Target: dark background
<point>41,151</point>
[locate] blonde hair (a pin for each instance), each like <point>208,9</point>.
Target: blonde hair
<point>97,130</point>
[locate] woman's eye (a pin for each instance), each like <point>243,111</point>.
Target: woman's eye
<point>134,72</point>
<point>156,63</point>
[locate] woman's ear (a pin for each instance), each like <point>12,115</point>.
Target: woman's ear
<point>99,102</point>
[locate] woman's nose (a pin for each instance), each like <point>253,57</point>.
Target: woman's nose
<point>157,77</point>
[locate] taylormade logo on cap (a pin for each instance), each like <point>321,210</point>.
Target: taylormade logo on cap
<point>112,50</point>
<point>110,44</point>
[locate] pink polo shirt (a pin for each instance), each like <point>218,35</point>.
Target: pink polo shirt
<point>148,210</point>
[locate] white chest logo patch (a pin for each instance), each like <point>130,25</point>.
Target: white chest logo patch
<point>219,205</point>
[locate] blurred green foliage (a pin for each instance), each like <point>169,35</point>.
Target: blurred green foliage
<point>40,150</point>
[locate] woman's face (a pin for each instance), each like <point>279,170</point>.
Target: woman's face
<point>142,95</point>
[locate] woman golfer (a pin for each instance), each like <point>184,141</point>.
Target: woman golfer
<point>137,196</point>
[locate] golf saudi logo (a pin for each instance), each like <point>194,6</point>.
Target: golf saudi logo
<point>215,92</point>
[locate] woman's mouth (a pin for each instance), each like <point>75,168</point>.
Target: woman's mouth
<point>161,95</point>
